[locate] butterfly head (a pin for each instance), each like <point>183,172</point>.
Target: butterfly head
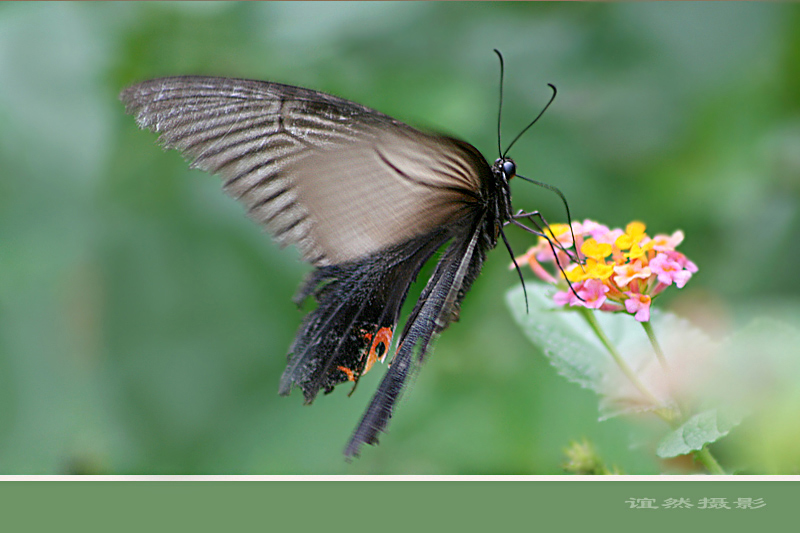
<point>507,167</point>
<point>504,169</point>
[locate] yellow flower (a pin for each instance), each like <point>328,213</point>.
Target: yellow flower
<point>598,269</point>
<point>633,234</point>
<point>559,233</point>
<point>596,250</point>
<point>636,252</point>
<point>575,273</point>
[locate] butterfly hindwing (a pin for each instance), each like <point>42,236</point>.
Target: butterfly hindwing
<point>356,304</point>
<point>436,308</point>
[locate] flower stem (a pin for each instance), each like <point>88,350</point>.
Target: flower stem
<point>662,360</point>
<point>623,365</point>
<point>656,346</point>
<point>704,456</point>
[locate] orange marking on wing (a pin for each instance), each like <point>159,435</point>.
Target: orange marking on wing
<point>350,374</point>
<point>384,336</point>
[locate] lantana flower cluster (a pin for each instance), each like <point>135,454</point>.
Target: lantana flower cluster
<point>618,270</point>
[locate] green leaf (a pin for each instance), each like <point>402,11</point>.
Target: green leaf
<point>699,430</point>
<point>571,348</point>
<point>574,350</point>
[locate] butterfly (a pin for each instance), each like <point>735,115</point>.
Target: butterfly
<point>366,199</point>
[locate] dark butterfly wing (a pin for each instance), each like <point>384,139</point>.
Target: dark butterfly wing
<point>358,308</point>
<point>437,306</point>
<point>366,199</point>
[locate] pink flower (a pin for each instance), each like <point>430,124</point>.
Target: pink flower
<point>568,297</point>
<point>609,236</point>
<point>545,254</point>
<point>663,243</point>
<point>593,293</point>
<point>590,227</point>
<point>565,298</point>
<point>530,258</point>
<point>638,305</point>
<point>669,271</point>
<point>683,261</point>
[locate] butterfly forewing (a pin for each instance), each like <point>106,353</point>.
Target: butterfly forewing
<point>335,178</point>
<point>372,194</point>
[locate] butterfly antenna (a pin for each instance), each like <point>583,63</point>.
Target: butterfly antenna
<point>500,110</point>
<point>516,266</point>
<point>553,97</point>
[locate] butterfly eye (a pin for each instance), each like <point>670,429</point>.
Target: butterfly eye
<point>509,169</point>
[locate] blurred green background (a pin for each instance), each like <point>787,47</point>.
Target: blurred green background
<point>144,320</point>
